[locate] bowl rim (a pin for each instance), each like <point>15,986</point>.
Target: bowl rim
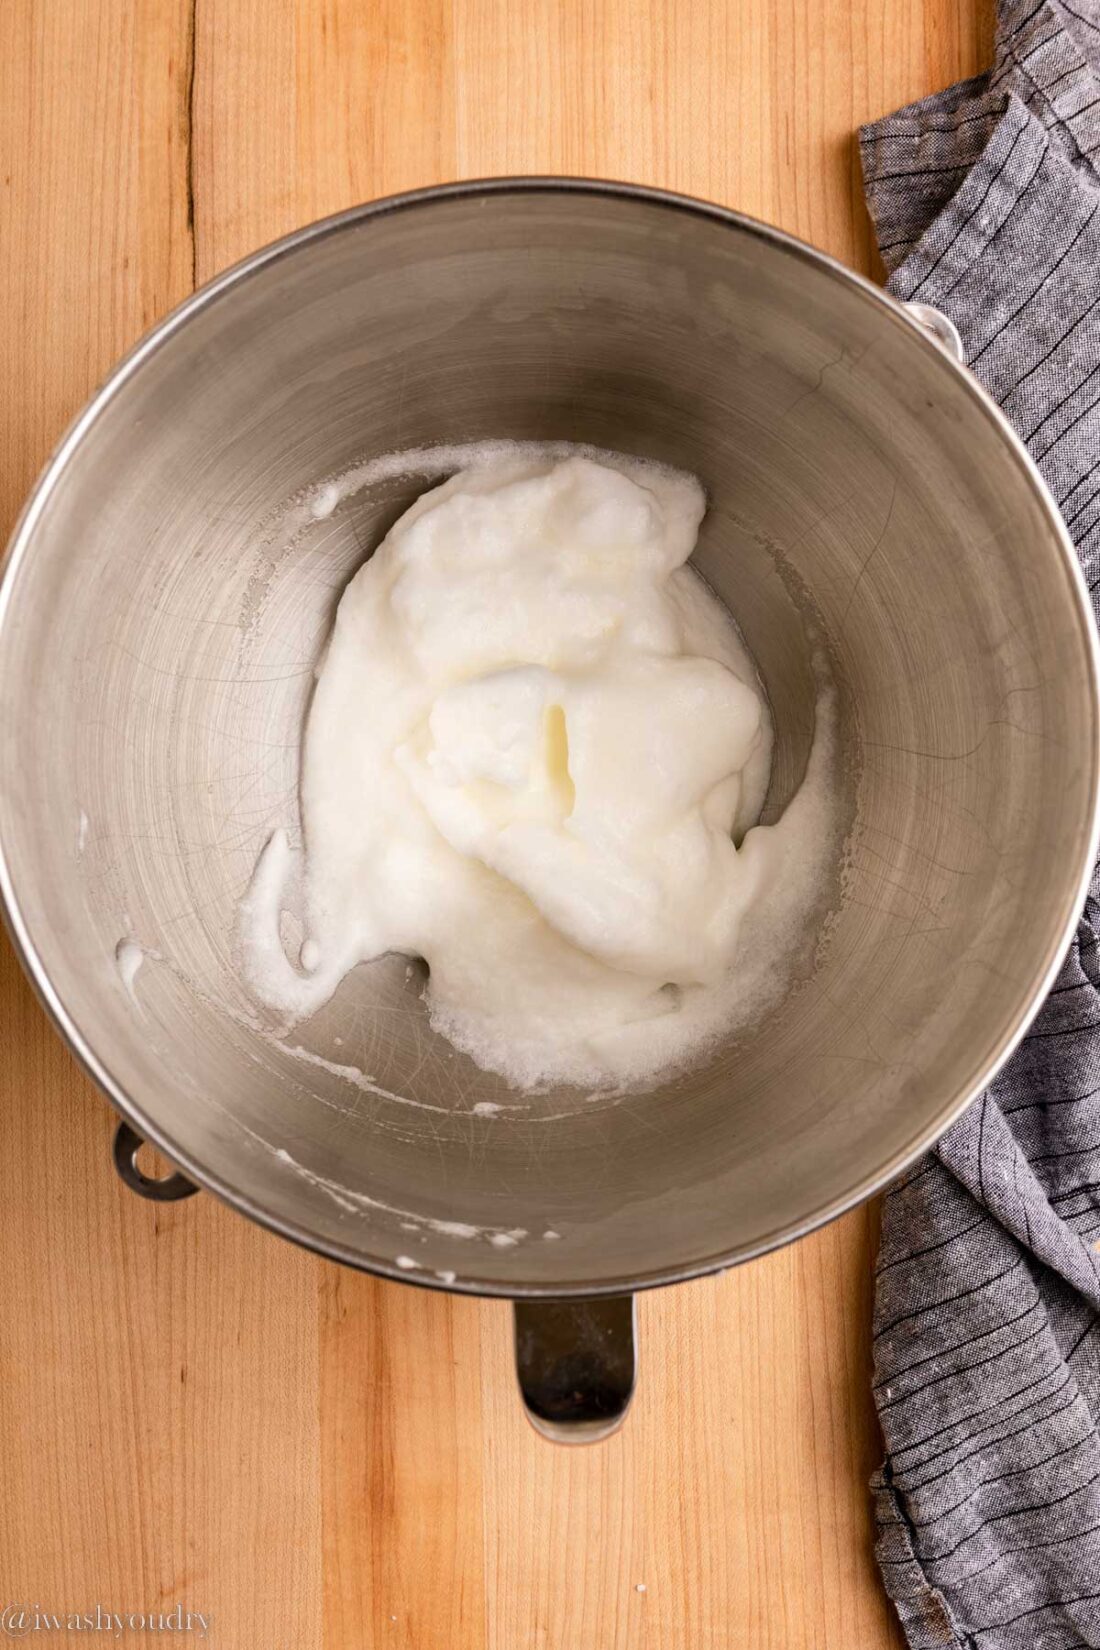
<point>866,1185</point>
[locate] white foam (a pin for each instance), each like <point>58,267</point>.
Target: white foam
<point>359,1203</point>
<point>324,501</point>
<point>129,956</point>
<point>533,974</point>
<point>358,1079</point>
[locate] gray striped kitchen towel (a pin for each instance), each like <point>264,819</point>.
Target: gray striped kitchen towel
<point>986,203</point>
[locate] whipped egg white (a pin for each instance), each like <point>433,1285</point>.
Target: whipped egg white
<point>535,757</point>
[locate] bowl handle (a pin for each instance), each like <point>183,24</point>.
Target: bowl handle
<point>575,1363</point>
<point>940,327</point>
<point>167,1189</point>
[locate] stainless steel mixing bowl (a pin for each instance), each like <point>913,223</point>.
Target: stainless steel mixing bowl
<point>163,608</point>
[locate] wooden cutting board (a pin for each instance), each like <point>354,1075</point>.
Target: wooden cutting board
<point>192,1411</point>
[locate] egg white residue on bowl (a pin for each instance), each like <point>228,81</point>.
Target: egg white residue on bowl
<point>129,958</point>
<point>535,755</point>
<point>354,1202</point>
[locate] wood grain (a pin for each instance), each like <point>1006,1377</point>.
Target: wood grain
<point>193,1411</point>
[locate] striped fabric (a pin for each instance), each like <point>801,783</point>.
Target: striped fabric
<point>986,203</point>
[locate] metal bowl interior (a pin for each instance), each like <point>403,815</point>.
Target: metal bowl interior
<point>163,609</point>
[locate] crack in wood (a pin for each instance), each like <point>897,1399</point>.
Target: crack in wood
<point>190,112</point>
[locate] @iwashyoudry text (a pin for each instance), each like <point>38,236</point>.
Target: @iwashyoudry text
<point>18,1621</point>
